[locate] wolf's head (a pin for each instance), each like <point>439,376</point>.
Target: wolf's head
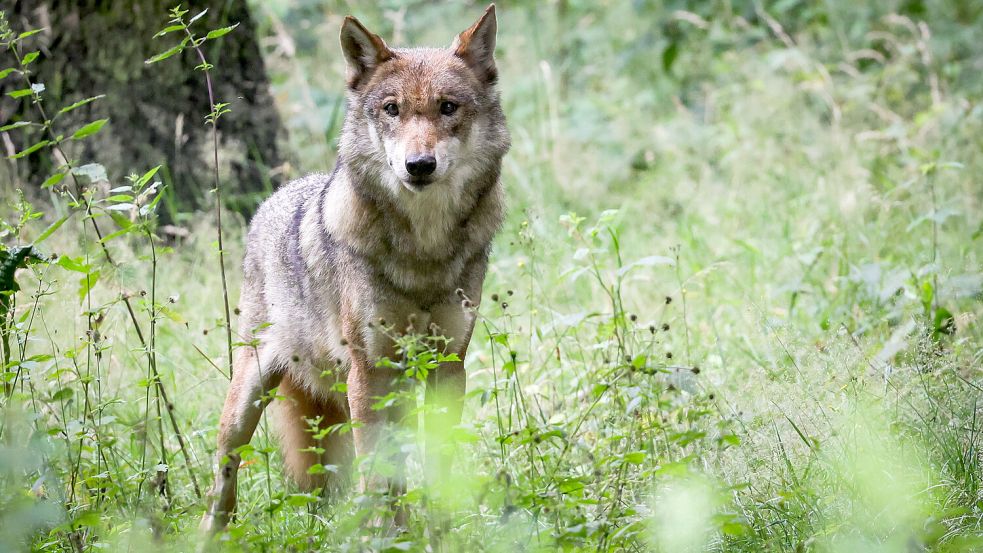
<point>423,120</point>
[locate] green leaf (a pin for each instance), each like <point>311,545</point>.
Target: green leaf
<point>117,234</point>
<point>16,125</point>
<point>87,283</point>
<point>90,129</point>
<point>635,457</point>
<point>301,499</point>
<point>166,54</point>
<point>79,104</point>
<point>30,150</point>
<point>146,177</point>
<point>198,16</point>
<point>944,322</point>
<point>172,315</point>
<point>220,32</point>
<point>20,93</point>
<point>52,180</point>
<point>76,264</point>
<point>169,29</point>
<point>26,34</point>
<point>29,58</point>
<point>51,229</point>
<point>7,71</point>
<point>572,486</point>
<point>669,56</point>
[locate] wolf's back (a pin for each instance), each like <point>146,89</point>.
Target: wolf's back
<point>271,245</point>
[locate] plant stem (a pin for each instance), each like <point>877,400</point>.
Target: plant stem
<point>218,194</point>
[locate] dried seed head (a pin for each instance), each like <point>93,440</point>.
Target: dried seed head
<point>696,370</point>
<point>295,358</point>
<point>204,332</point>
<point>652,329</point>
<point>509,292</point>
<point>467,304</point>
<point>382,322</point>
<point>494,298</point>
<point>344,342</point>
<point>459,292</point>
<point>668,300</point>
<point>668,355</point>
<point>665,327</point>
<point>711,396</point>
<point>633,317</point>
<point>505,305</point>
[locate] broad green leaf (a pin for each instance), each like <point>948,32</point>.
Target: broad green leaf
<point>7,71</point>
<point>635,457</point>
<point>90,129</point>
<point>29,58</point>
<point>76,264</point>
<point>52,180</point>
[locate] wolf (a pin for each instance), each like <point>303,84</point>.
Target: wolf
<point>396,238</point>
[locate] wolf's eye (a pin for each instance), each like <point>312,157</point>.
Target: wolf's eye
<point>448,108</point>
<point>391,109</point>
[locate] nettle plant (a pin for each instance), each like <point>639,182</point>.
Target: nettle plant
<point>85,458</point>
<point>622,413</point>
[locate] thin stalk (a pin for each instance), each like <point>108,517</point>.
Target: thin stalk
<point>206,68</point>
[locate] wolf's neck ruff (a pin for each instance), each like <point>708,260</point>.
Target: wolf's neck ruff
<point>418,242</point>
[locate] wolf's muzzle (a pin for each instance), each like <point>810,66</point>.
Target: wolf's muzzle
<point>421,165</point>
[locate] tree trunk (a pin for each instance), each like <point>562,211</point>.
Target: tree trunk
<point>157,112</point>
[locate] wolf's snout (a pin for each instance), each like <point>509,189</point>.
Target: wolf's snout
<point>421,165</point>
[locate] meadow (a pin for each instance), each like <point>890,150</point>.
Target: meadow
<point>735,305</point>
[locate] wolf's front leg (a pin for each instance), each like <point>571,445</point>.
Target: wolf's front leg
<point>373,431</point>
<point>446,387</point>
<point>445,402</point>
<point>244,405</point>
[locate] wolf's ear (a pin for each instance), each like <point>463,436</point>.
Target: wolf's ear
<point>364,51</point>
<point>476,46</point>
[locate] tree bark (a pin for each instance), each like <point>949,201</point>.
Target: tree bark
<point>157,112</point>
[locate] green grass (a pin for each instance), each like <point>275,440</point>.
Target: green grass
<point>717,317</point>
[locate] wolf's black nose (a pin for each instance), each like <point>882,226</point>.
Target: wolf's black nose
<point>421,165</point>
